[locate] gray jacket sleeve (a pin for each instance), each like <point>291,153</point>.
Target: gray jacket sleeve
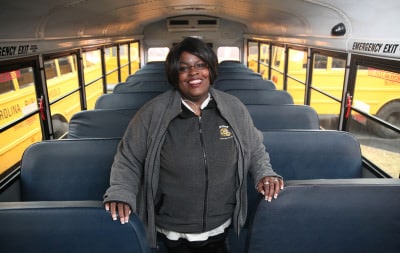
<point>127,169</point>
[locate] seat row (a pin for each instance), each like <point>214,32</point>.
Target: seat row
<point>60,208</point>
<point>270,110</point>
<point>79,169</point>
<point>67,226</point>
<point>62,183</point>
<point>324,202</point>
<point>309,216</point>
<point>112,123</point>
<point>231,75</point>
<point>137,99</point>
<point>155,83</point>
<point>335,216</point>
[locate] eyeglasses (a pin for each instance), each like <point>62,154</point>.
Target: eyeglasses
<point>197,66</point>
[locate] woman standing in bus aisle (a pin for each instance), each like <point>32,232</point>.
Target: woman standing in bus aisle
<point>182,164</point>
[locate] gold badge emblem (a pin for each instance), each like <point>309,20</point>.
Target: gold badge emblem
<point>225,132</point>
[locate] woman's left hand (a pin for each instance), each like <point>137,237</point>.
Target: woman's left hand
<point>270,187</point>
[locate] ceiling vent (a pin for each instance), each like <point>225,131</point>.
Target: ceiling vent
<point>192,23</point>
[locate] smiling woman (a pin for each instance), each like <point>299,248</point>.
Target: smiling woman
<point>195,114</point>
<point>188,72</point>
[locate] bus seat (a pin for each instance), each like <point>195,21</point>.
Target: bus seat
<point>156,66</point>
<point>227,64</point>
<point>146,76</point>
<point>231,70</point>
<point>262,96</point>
<point>239,75</point>
<point>100,123</point>
<point>314,154</point>
<point>234,84</point>
<point>298,155</point>
<point>276,117</point>
<point>355,215</point>
<point>133,100</point>
<point>236,244</point>
<point>67,226</point>
<point>142,86</point>
<point>67,169</point>
<point>151,68</point>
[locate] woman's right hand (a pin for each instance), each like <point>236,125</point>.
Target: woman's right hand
<point>120,209</point>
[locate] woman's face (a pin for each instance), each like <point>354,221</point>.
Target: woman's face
<point>194,77</point>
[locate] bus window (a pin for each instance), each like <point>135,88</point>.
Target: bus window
<point>17,100</point>
<point>111,65</point>
<point>26,78</point>
<point>16,139</point>
<point>327,89</point>
<point>278,63</point>
<point>61,70</point>
<point>134,57</point>
<point>228,54</point>
<point>338,63</point>
<point>63,90</point>
<point>377,92</point>
<point>6,83</point>
<point>252,55</point>
<point>264,60</point>
<point>264,54</point>
<point>92,74</point>
<point>157,53</point>
<point>320,61</point>
<point>66,66</point>
<point>124,61</point>
<point>50,69</point>
<point>297,75</point>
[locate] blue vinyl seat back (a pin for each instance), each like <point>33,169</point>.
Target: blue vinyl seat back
<point>302,154</point>
<point>235,84</point>
<point>276,117</point>
<point>139,77</point>
<point>225,72</point>
<point>240,74</point>
<point>67,169</point>
<point>142,86</point>
<point>236,244</point>
<point>314,154</point>
<point>228,64</point>
<point>100,123</point>
<point>65,227</point>
<point>153,67</point>
<point>132,100</point>
<point>253,96</point>
<point>332,218</point>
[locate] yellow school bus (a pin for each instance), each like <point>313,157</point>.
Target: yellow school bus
<point>128,61</point>
<point>18,99</point>
<point>21,111</point>
<point>377,92</point>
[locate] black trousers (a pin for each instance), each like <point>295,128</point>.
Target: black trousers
<point>215,244</point>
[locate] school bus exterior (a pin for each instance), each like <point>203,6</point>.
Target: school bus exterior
<point>18,99</point>
<point>376,90</point>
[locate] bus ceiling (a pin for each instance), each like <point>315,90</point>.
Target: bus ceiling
<point>31,27</point>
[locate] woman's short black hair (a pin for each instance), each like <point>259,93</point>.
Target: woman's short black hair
<point>193,46</point>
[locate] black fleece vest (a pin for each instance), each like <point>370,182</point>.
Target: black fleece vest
<point>198,175</point>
